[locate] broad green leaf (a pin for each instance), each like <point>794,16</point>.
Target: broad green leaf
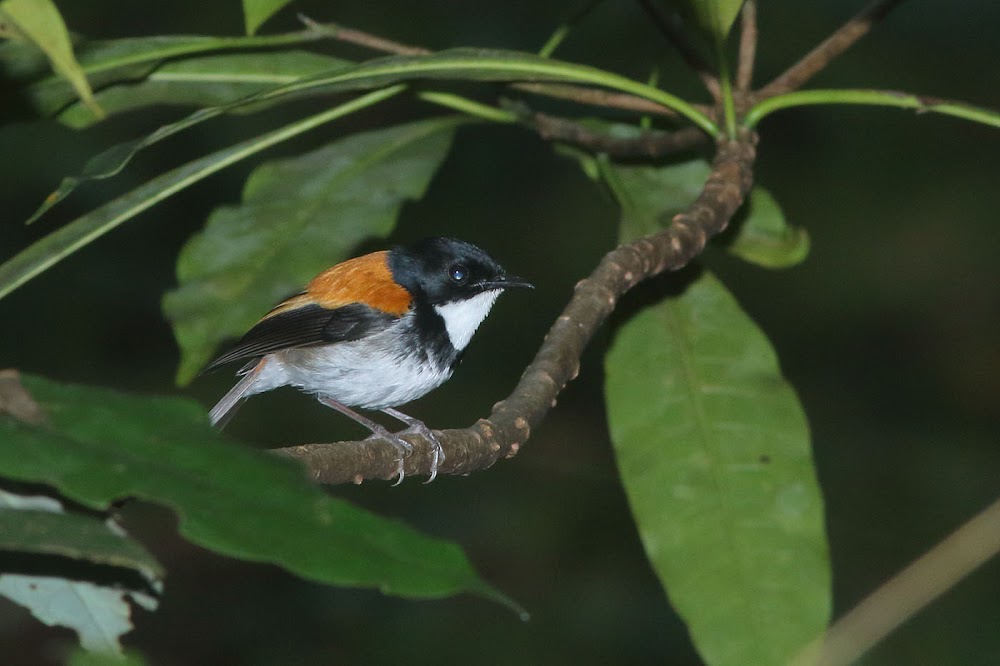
<point>713,449</point>
<point>649,196</point>
<point>100,615</point>
<point>39,22</point>
<point>255,12</point>
<point>39,525</point>
<point>61,243</point>
<point>713,16</point>
<point>765,238</point>
<point>211,80</point>
<point>97,446</point>
<point>299,215</point>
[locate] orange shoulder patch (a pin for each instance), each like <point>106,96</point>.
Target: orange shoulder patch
<point>365,279</point>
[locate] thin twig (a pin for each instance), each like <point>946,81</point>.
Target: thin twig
<point>580,94</point>
<point>748,48</point>
<point>558,359</point>
<point>360,38</point>
<point>908,592</point>
<point>831,47</point>
<point>650,144</point>
<point>684,48</point>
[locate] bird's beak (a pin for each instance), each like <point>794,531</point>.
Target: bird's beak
<point>505,282</point>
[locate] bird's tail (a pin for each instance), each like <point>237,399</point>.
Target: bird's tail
<point>227,406</point>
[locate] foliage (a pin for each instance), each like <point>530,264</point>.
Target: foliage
<point>711,442</point>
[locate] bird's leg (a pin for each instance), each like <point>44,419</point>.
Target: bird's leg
<point>420,428</point>
<point>402,446</point>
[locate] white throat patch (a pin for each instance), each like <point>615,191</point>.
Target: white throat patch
<point>462,318</point>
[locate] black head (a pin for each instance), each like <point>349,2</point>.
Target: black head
<point>446,270</point>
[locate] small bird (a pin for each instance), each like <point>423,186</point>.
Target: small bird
<point>375,332</point>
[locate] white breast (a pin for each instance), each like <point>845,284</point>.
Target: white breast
<point>373,373</point>
<point>462,318</point>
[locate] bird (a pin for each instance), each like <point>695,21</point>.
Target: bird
<point>373,332</point>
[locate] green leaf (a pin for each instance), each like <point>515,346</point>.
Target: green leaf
<point>715,17</point>
<point>212,80</point>
<point>39,22</point>
<point>460,64</point>
<point>97,446</point>
<point>60,244</point>
<point>39,525</point>
<point>765,238</point>
<point>255,12</point>
<point>99,615</point>
<point>713,449</point>
<point>649,196</point>
<point>122,61</point>
<point>298,216</point>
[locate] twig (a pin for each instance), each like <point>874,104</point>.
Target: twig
<point>908,592</point>
<point>831,47</point>
<point>748,48</point>
<point>580,94</point>
<point>360,38</point>
<point>650,144</point>
<point>557,361</point>
<point>684,48</point>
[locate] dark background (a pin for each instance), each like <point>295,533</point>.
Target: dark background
<point>890,332</point>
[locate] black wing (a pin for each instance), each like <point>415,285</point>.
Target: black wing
<point>306,326</point>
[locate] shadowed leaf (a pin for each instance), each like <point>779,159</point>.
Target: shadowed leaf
<point>39,22</point>
<point>98,446</point>
<point>713,449</point>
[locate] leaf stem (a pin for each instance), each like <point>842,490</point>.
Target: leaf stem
<point>890,98</point>
<point>468,106</point>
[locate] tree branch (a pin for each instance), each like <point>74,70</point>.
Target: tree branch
<point>748,48</point>
<point>650,144</point>
<point>834,45</point>
<point>557,362</point>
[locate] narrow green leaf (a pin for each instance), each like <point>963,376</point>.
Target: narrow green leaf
<point>211,80</point>
<point>890,98</point>
<point>457,64</point>
<point>765,238</point>
<point>48,530</point>
<point>39,22</point>
<point>122,61</point>
<point>97,446</point>
<point>713,449</point>
<point>298,216</point>
<point>255,12</point>
<point>60,244</point>
<point>715,17</point>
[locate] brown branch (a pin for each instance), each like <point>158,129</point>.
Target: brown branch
<point>650,144</point>
<point>684,48</point>
<point>748,48</point>
<point>557,361</point>
<point>834,45</point>
<point>579,94</point>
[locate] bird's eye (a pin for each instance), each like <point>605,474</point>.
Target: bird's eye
<point>458,273</point>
